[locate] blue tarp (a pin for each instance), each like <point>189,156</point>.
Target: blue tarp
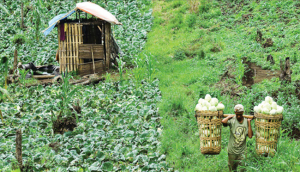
<point>54,21</point>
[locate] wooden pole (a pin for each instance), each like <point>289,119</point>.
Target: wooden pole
<point>73,46</point>
<point>76,42</point>
<point>19,148</point>
<point>59,48</point>
<point>15,59</point>
<point>70,45</point>
<point>80,39</point>
<point>68,42</point>
<point>1,116</point>
<point>22,15</point>
<point>107,44</point>
<point>93,59</point>
<point>245,116</point>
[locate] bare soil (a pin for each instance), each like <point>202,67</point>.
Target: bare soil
<point>259,74</point>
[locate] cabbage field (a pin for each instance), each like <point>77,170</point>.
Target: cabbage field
<point>118,126</point>
<point>141,118</point>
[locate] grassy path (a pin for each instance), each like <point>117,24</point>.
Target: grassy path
<point>182,45</point>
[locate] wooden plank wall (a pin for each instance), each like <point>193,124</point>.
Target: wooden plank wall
<point>68,49</point>
<point>71,50</point>
<point>86,53</point>
<point>107,33</point>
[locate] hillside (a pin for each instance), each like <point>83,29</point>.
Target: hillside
<point>194,43</point>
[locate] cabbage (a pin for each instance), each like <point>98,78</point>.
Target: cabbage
<point>213,108</point>
<point>273,112</point>
<point>274,105</point>
<point>198,107</point>
<point>220,106</point>
<point>208,97</point>
<point>269,100</point>
<point>257,109</point>
<point>200,101</point>
<point>265,111</point>
<point>214,102</point>
<point>260,106</point>
<point>267,106</point>
<point>204,108</point>
<point>205,103</point>
<point>279,109</point>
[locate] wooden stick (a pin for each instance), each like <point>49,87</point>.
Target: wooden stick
<point>76,42</point>
<point>93,59</point>
<point>245,116</point>
<point>80,40</point>
<point>42,76</point>
<point>99,28</point>
<point>68,42</point>
<point>59,48</point>
<point>73,46</point>
<point>19,148</point>
<point>1,116</point>
<point>70,45</point>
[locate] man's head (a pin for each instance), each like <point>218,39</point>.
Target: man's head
<point>239,111</point>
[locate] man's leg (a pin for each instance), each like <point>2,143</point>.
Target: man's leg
<point>241,162</point>
<point>232,162</point>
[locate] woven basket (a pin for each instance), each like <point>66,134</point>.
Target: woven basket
<point>210,127</point>
<point>267,133</point>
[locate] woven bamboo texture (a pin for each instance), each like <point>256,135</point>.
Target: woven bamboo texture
<point>267,133</point>
<point>210,127</point>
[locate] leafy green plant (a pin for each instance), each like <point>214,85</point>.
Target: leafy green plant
<point>239,71</point>
<point>4,61</point>
<point>67,94</point>
<point>121,66</point>
<point>179,55</point>
<point>23,74</point>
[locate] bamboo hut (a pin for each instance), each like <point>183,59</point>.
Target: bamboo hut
<point>84,45</point>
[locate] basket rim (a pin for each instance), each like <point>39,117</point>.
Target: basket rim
<point>263,116</point>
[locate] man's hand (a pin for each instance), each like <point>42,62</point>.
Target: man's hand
<point>225,120</point>
<point>230,116</point>
<point>249,120</point>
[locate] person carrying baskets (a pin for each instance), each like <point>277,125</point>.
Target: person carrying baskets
<point>240,128</point>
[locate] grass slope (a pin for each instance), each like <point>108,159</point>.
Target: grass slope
<point>191,48</point>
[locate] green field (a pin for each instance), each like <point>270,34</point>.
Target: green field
<point>143,119</point>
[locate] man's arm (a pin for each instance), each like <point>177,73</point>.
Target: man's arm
<point>250,132</point>
<point>225,120</point>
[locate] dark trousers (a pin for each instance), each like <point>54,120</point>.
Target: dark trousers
<point>236,160</point>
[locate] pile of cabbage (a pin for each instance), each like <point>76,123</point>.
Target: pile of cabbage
<point>206,130</point>
<point>210,104</point>
<point>213,131</point>
<point>268,107</point>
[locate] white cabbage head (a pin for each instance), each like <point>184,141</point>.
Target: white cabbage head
<point>220,106</point>
<point>274,105</point>
<point>214,102</point>
<point>213,108</point>
<point>204,108</point>
<point>267,105</point>
<point>273,112</point>
<point>207,97</point>
<point>257,109</point>
<point>198,107</point>
<point>279,109</point>
<point>265,111</point>
<point>269,100</point>
<point>200,101</point>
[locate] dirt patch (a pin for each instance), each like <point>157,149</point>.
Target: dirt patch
<point>253,74</point>
<point>258,74</point>
<point>55,146</point>
<point>62,125</point>
<point>295,134</point>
